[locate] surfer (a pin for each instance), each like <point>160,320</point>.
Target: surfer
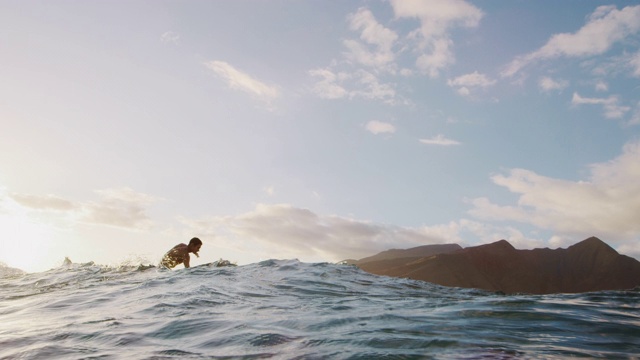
<point>179,254</point>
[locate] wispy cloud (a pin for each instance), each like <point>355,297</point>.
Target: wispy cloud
<point>437,18</point>
<point>611,105</point>
<point>378,127</point>
<point>330,84</point>
<point>46,202</point>
<point>239,80</point>
<point>605,27</point>
<point>359,84</point>
<point>372,88</point>
<point>468,82</point>
<point>367,60</point>
<point>490,232</point>
<point>170,37</point>
<point>606,204</point>
<point>370,60</point>
<point>548,84</point>
<point>269,190</point>
<point>602,86</point>
<point>439,140</point>
<point>123,207</point>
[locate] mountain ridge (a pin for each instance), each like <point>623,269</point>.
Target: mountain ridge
<point>589,265</point>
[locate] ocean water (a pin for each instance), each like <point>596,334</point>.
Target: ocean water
<point>285,309</point>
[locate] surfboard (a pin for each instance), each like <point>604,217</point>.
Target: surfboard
<point>217,263</point>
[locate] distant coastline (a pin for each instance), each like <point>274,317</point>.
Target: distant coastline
<point>589,265</point>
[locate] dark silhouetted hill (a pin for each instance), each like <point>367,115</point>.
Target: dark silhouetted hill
<point>420,251</point>
<point>397,257</point>
<point>590,265</point>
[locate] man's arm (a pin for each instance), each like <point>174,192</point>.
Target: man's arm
<point>186,260</point>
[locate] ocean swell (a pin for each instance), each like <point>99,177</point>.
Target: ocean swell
<point>288,309</point>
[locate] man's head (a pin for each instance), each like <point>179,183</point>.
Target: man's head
<point>194,245</point>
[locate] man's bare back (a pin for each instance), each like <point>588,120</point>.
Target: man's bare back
<point>179,254</point>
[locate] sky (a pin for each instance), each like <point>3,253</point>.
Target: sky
<point>314,130</point>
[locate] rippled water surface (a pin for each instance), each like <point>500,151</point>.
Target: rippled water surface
<point>284,309</point>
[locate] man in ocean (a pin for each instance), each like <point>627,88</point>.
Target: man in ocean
<point>179,254</point>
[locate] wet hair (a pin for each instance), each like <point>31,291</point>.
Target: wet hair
<point>195,241</point>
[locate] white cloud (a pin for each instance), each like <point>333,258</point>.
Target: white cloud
<point>605,27</point>
<point>373,34</point>
<point>371,88</point>
<point>379,127</point>
<point>439,140</point>
<point>602,86</point>
<point>488,233</point>
<point>284,231</point>
<point>547,84</point>
<point>239,80</point>
<point>464,91</point>
<point>406,72</point>
<point>363,84</point>
<point>614,66</point>
<point>606,205</point>
<point>466,82</point>
<point>611,106</point>
<point>437,18</point>
<point>270,190</point>
<point>329,86</point>
<point>299,233</point>
<point>440,57</point>
<point>374,50</point>
<point>170,37</point>
<point>474,79</point>
<point>124,208</point>
<point>47,202</point>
